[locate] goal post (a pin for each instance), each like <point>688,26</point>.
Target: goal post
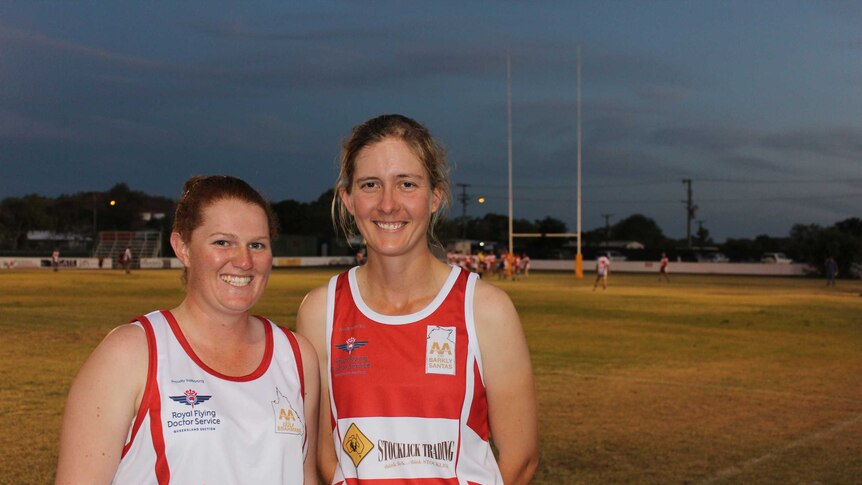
<point>579,258</point>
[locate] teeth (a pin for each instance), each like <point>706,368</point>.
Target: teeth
<point>390,226</point>
<point>236,280</point>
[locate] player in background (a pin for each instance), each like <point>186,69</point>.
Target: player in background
<point>662,268</point>
<point>126,259</point>
<point>831,268</point>
<point>603,269</point>
<point>412,350</point>
<point>205,392</point>
<point>55,259</point>
<point>525,263</point>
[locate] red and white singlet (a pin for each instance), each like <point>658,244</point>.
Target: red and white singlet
<point>406,392</point>
<point>196,425</point>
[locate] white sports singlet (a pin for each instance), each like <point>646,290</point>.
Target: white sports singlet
<point>406,393</point>
<point>196,425</point>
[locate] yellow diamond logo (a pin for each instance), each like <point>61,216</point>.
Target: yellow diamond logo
<point>356,445</point>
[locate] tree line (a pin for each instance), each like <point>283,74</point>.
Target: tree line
<point>120,208</point>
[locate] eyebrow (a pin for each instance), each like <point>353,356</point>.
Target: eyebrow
<point>234,236</point>
<point>399,176</point>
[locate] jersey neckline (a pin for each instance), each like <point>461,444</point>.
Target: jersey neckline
<point>401,319</point>
<point>259,371</point>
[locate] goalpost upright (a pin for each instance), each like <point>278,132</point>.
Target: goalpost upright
<point>579,259</point>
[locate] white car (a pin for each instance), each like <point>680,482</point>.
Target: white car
<point>775,258</point>
<point>712,258</point>
<point>613,255</point>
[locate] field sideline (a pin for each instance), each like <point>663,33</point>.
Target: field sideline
<point>707,380</point>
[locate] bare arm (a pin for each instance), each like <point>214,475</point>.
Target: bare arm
<point>508,377</point>
<point>311,323</point>
<point>101,406</point>
<point>311,375</point>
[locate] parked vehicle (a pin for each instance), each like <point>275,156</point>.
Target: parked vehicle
<point>712,258</point>
<point>775,258</point>
<point>718,258</point>
<point>613,255</point>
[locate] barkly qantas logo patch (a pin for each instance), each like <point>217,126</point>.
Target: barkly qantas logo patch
<point>351,345</point>
<point>287,419</point>
<point>190,398</point>
<point>440,350</point>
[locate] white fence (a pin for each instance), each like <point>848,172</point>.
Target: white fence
<point>764,269</point>
<point>45,263</point>
<point>794,269</point>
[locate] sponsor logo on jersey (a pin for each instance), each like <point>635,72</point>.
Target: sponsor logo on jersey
<point>356,444</point>
<point>287,419</point>
<point>440,350</point>
<point>193,419</point>
<point>351,344</point>
<point>191,398</point>
<point>441,454</point>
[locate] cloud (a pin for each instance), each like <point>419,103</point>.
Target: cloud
<point>37,40</point>
<point>838,141</point>
<point>16,127</point>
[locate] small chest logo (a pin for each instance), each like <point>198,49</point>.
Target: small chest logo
<point>356,444</point>
<point>287,419</point>
<point>440,350</point>
<point>190,398</point>
<point>351,344</point>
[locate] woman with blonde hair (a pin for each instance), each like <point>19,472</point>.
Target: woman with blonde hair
<point>424,365</point>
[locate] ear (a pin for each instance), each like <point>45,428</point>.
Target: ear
<point>181,249</point>
<point>346,201</point>
<point>436,199</point>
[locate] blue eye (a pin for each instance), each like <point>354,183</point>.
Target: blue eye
<point>257,245</point>
<point>221,243</point>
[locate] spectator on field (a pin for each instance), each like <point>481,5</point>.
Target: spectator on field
<point>831,268</point>
<point>205,392</point>
<point>55,259</point>
<point>603,269</point>
<point>662,268</point>
<point>398,339</point>
<point>126,259</point>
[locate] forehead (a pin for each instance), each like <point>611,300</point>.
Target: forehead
<point>388,156</point>
<point>233,215</point>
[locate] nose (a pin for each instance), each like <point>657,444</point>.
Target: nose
<point>242,259</point>
<point>388,202</point>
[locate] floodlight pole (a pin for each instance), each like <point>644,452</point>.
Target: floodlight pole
<point>511,256</point>
<point>579,258</point>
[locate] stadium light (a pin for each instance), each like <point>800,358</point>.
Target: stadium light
<point>113,203</point>
<point>481,200</point>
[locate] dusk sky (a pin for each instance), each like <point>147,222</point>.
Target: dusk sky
<point>759,103</point>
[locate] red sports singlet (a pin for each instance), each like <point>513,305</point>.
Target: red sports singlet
<point>406,392</point>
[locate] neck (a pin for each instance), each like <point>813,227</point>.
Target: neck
<point>402,285</point>
<point>200,323</point>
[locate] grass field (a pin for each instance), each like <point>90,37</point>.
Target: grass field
<point>705,380</point>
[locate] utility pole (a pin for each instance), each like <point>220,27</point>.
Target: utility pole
<point>690,210</point>
<point>464,198</point>
<point>607,227</point>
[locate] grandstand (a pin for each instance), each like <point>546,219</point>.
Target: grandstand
<point>144,244</point>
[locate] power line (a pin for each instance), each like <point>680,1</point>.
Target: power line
<point>668,182</point>
<point>676,201</point>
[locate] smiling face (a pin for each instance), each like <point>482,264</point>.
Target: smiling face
<point>228,257</point>
<point>391,198</point>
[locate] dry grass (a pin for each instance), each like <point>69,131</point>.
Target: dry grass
<point>706,380</point>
